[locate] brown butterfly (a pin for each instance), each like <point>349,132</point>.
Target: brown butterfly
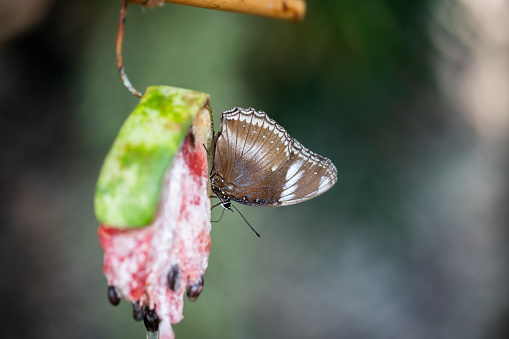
<point>257,163</point>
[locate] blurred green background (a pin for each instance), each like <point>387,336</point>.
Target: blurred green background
<point>409,99</point>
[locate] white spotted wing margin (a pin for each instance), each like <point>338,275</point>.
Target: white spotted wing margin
<point>259,164</point>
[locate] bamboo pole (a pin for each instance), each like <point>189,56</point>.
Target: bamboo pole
<point>292,10</point>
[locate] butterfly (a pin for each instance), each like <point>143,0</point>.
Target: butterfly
<point>257,163</point>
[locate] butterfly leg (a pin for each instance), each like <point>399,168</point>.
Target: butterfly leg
<point>221,217</point>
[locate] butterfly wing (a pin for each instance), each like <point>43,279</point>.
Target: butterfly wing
<point>250,147</point>
<point>304,176</point>
<point>263,165</point>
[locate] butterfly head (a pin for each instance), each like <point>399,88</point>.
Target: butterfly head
<point>227,204</point>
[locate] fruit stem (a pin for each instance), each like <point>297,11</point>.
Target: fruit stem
<point>120,40</point>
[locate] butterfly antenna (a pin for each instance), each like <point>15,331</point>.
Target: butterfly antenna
<point>221,217</point>
<point>206,150</point>
<point>246,221</point>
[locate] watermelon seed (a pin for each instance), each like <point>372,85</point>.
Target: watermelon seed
<point>114,295</point>
<point>151,320</point>
<point>193,291</point>
<point>137,311</point>
<point>173,278</point>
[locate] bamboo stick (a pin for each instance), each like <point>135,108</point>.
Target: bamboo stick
<point>292,10</point>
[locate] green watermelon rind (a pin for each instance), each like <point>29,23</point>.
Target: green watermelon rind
<point>130,182</point>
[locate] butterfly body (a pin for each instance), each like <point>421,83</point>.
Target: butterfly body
<point>257,163</point>
<point>227,192</point>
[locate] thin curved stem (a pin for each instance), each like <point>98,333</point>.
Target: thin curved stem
<point>120,61</point>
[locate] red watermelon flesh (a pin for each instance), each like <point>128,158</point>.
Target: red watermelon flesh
<point>138,262</point>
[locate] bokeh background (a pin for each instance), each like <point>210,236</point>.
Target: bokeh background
<point>409,99</point>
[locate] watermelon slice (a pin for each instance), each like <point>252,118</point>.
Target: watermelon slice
<point>153,265</point>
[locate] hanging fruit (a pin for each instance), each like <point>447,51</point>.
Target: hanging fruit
<point>152,197</point>
<point>154,206</point>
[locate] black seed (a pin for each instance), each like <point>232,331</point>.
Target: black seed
<point>151,320</point>
<point>193,291</point>
<point>191,138</point>
<point>173,277</point>
<point>114,295</point>
<point>137,311</point>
